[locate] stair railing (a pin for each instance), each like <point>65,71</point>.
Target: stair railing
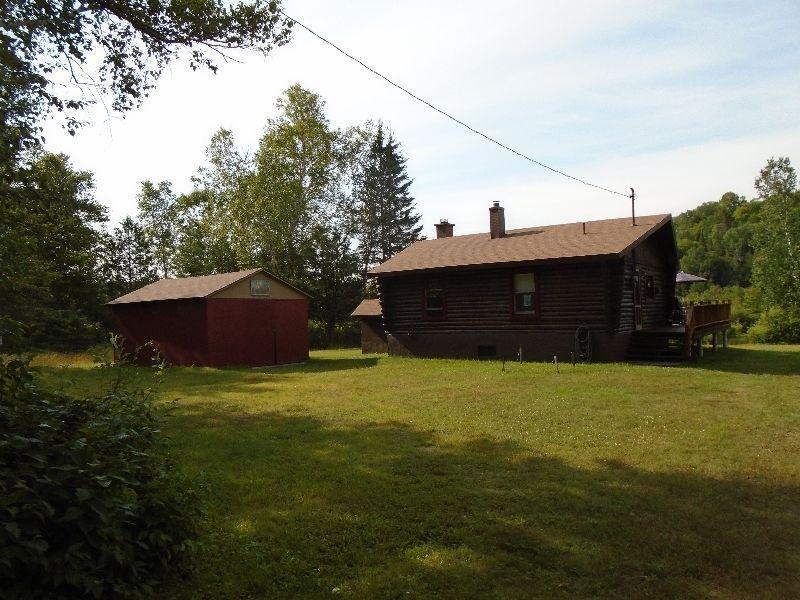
<point>704,316</point>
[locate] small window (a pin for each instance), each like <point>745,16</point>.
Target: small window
<point>259,287</point>
<point>434,298</point>
<point>524,293</point>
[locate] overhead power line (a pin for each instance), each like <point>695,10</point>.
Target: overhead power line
<point>448,115</point>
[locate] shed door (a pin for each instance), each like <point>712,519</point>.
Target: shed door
<point>637,299</point>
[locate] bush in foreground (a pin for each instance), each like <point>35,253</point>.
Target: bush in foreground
<point>90,505</point>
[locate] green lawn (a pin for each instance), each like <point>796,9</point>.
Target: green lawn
<point>366,476</point>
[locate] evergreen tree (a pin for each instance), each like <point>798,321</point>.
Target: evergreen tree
<point>332,276</point>
<point>385,217</point>
<point>129,261</point>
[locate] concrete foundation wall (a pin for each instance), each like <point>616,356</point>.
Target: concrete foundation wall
<point>535,346</point>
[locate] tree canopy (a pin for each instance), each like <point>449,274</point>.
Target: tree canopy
<point>715,239</point>
<point>49,244</point>
<point>64,55</point>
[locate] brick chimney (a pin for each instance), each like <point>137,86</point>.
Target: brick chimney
<point>497,221</point>
<point>444,229</point>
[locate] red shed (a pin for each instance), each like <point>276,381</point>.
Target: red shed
<point>248,318</point>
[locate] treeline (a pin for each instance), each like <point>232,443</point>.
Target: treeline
<point>313,204</point>
<point>749,250</point>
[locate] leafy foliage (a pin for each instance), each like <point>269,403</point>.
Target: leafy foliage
<point>777,240</point>
<point>158,217</point>
<point>346,334</point>
<point>715,239</point>
<point>298,169</point>
<point>63,56</point>
<point>777,325</point>
<point>128,261</point>
<point>314,204</point>
<point>90,504</point>
<point>51,49</point>
<point>49,243</point>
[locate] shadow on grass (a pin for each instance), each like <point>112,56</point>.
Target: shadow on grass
<point>312,365</point>
<point>754,361</point>
<point>322,365</point>
<point>385,510</point>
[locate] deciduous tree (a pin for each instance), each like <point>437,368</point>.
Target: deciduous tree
<point>298,170</point>
<point>159,218</point>
<point>777,240</point>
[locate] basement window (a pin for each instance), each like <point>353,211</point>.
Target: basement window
<point>434,299</point>
<point>259,287</point>
<point>524,293</point>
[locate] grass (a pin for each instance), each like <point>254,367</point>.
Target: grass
<point>367,476</point>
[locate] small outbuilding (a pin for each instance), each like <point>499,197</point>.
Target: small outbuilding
<point>373,335</point>
<point>248,318</point>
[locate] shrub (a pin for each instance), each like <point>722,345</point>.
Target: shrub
<point>777,325</point>
<point>90,505</point>
<point>344,335</point>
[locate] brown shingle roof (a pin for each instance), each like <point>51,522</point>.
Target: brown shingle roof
<point>190,287</point>
<point>368,308</point>
<point>551,242</point>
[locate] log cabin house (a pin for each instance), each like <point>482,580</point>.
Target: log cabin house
<point>598,290</point>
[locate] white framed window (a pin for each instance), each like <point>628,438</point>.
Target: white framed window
<point>524,293</point>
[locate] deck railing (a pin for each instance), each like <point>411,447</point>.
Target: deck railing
<point>705,317</point>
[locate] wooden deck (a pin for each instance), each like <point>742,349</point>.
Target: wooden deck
<point>704,319</point>
<point>683,342</point>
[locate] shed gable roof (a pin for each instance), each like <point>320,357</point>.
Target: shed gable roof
<point>608,237</point>
<point>182,288</point>
<point>368,307</point>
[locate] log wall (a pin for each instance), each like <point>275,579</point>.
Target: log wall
<point>567,296</point>
<point>653,257</point>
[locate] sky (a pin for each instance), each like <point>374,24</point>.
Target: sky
<point>682,101</point>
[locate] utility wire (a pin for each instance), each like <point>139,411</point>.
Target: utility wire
<point>448,115</point>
